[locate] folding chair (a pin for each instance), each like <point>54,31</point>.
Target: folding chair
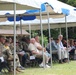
<point>35,61</point>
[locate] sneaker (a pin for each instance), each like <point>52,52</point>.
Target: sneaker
<point>22,68</point>
<point>47,66</point>
<point>41,65</point>
<point>18,70</point>
<point>60,61</point>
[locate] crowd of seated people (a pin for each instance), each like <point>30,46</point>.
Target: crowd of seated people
<point>7,53</point>
<point>71,46</point>
<point>23,52</point>
<point>60,46</point>
<point>25,47</point>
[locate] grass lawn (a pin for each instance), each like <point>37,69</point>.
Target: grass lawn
<point>57,69</point>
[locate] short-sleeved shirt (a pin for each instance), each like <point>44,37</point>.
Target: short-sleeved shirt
<point>37,44</point>
<point>32,47</point>
<point>1,49</point>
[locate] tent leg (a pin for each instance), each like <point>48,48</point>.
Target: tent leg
<point>30,30</point>
<point>14,39</point>
<point>67,36</point>
<point>21,26</point>
<point>42,37</point>
<point>60,30</point>
<point>49,34</point>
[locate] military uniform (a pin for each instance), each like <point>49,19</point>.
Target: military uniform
<point>17,58</point>
<point>1,48</point>
<point>24,55</point>
<point>25,47</point>
<point>1,55</point>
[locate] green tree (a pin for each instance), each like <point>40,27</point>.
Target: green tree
<point>72,2</point>
<point>65,1</point>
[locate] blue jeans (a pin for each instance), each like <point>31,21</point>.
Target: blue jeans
<point>24,58</point>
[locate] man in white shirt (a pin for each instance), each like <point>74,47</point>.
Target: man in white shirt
<point>37,53</point>
<point>62,51</point>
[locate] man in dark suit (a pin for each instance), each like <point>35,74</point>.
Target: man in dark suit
<point>53,45</point>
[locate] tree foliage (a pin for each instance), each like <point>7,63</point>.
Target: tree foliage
<point>70,2</point>
<point>65,1</point>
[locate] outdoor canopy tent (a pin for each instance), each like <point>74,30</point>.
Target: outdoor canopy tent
<point>65,9</point>
<point>55,23</point>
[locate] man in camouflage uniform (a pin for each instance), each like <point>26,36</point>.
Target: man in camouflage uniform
<point>24,56</point>
<point>2,41</point>
<point>6,53</point>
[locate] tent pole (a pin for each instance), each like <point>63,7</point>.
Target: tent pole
<point>60,29</point>
<point>67,36</point>
<point>14,38</point>
<point>49,34</point>
<point>30,30</point>
<point>21,26</point>
<point>42,36</point>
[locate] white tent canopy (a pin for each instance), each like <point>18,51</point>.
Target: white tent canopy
<point>56,7</point>
<point>8,4</point>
